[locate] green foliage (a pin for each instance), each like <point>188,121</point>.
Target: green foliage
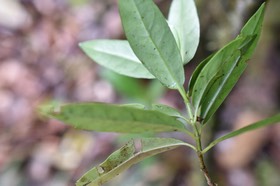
<point>152,41</point>
<point>268,121</point>
<point>131,153</point>
<point>113,118</point>
<point>157,49</point>
<point>184,21</point>
<point>216,77</point>
<point>116,55</point>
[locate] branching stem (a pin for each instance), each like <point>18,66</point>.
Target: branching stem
<point>197,137</point>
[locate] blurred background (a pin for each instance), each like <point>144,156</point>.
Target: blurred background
<point>40,61</point>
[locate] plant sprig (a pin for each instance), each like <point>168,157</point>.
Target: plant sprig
<point>158,48</point>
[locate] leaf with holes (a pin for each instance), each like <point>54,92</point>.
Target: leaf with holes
<point>128,155</point>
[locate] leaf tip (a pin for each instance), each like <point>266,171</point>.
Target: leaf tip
<point>49,109</point>
<point>83,45</point>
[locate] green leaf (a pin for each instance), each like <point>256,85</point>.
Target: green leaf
<point>166,110</point>
<point>268,121</point>
<point>183,17</point>
<point>221,85</point>
<point>157,107</point>
<point>197,72</point>
<point>176,35</point>
<point>113,118</point>
<point>152,41</point>
<point>209,73</point>
<point>130,154</point>
<point>215,78</point>
<point>253,27</point>
<point>134,105</point>
<point>117,56</point>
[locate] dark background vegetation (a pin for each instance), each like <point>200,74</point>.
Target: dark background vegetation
<point>40,61</point>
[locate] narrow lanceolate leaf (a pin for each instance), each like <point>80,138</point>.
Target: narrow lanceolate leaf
<point>209,73</point>
<point>113,118</point>
<point>221,85</point>
<point>152,41</point>
<point>215,78</point>
<point>117,56</point>
<point>253,27</point>
<point>197,72</point>
<point>130,154</point>
<point>268,121</point>
<point>183,17</point>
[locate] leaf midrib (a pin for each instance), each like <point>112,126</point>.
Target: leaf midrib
<point>133,121</point>
<point>157,49</point>
<point>135,159</point>
<point>210,104</point>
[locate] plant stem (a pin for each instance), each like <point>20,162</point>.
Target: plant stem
<point>187,102</point>
<point>197,136</point>
<point>203,168</point>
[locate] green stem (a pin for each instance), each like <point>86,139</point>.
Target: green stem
<point>187,102</point>
<point>203,167</point>
<point>196,136</point>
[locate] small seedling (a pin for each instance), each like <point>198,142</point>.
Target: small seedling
<point>158,48</point>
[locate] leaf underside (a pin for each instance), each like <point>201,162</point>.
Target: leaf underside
<point>117,56</point>
<point>183,17</point>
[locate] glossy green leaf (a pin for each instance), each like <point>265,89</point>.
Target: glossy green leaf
<point>268,121</point>
<point>113,118</point>
<point>152,41</point>
<point>183,17</point>
<point>117,56</point>
<point>130,154</point>
<point>215,78</point>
